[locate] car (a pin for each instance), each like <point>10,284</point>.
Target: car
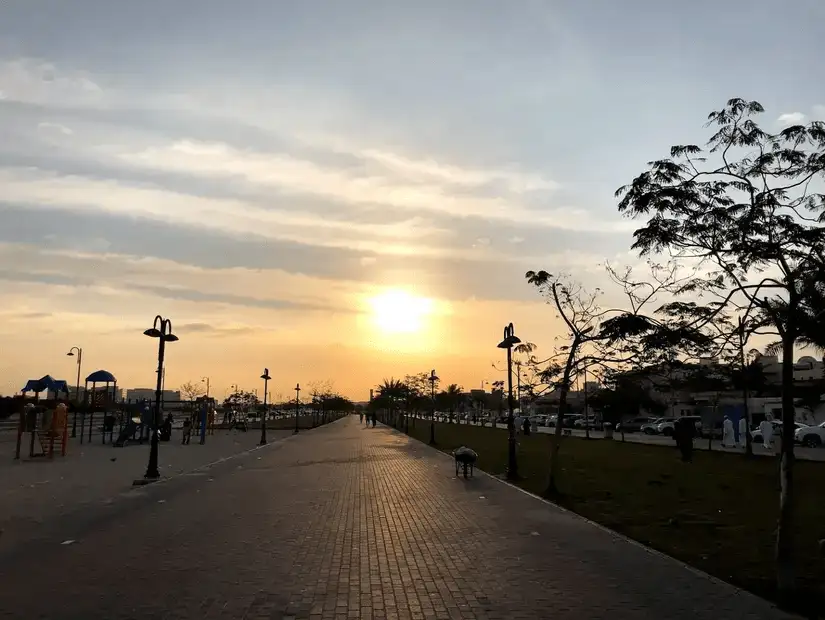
<point>633,425</point>
<point>652,428</point>
<point>568,420</point>
<point>756,434</point>
<point>666,428</point>
<point>583,423</point>
<point>811,436</point>
<point>539,420</point>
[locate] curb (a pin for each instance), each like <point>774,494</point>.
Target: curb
<point>617,535</point>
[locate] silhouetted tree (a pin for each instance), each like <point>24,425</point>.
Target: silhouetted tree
<point>754,218</point>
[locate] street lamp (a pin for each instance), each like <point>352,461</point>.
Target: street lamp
<point>205,420</point>
<point>162,330</point>
<point>433,380</point>
<point>297,404</point>
<point>266,379</point>
<point>510,340</point>
<point>76,387</point>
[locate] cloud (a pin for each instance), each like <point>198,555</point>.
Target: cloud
<point>214,330</point>
<point>404,184</point>
<point>791,118</point>
<point>55,127</point>
<point>818,112</point>
<point>30,80</point>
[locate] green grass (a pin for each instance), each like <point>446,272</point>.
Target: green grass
<point>717,513</point>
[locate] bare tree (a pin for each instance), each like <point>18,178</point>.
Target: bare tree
<point>610,340</point>
<point>190,391</point>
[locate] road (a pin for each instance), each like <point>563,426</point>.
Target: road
<point>806,454</point>
<point>345,522</point>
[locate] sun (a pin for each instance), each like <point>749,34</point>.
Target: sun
<point>399,312</point>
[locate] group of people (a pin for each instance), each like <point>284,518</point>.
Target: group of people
<point>370,418</point>
<point>731,440</point>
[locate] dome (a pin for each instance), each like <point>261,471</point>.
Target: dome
<point>101,376</point>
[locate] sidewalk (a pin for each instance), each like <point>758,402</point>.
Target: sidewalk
<point>32,491</point>
<point>346,522</point>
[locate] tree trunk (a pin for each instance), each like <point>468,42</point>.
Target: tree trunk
<point>555,442</point>
<point>785,578</point>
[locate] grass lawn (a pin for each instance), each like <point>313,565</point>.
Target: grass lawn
<point>717,513</point>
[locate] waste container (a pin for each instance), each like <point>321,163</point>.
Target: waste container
<point>608,430</point>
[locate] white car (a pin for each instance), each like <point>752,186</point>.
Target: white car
<point>756,434</point>
<point>811,436</point>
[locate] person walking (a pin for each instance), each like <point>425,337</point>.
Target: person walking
<point>360,417</point>
<point>728,439</point>
<point>743,429</point>
<point>187,430</point>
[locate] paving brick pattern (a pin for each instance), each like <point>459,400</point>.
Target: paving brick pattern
<point>345,522</point>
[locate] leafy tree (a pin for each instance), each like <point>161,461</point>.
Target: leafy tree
<point>390,395</point>
<point>241,401</point>
<point>746,210</point>
<point>451,399</point>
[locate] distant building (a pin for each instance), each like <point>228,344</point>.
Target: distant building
<point>136,395</point>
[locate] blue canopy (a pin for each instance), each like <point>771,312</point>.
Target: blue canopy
<point>101,376</point>
<point>46,383</point>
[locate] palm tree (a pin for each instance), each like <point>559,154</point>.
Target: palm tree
<point>391,391</point>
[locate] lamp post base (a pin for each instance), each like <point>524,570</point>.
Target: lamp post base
<point>140,482</point>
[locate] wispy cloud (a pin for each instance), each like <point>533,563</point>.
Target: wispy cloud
<point>30,80</point>
<point>791,118</point>
<point>55,127</point>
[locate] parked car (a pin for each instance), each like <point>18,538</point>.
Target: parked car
<point>568,421</point>
<point>583,423</point>
<point>666,428</point>
<point>539,420</point>
<point>633,425</point>
<point>652,428</point>
<point>811,436</point>
<point>756,434</point>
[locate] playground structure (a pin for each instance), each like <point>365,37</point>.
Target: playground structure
<point>99,399</point>
<point>46,426</point>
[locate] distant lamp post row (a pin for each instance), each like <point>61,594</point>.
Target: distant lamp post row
<point>510,340</point>
<point>77,386</point>
<point>162,330</point>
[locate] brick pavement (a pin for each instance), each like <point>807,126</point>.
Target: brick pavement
<point>33,491</point>
<point>345,522</point>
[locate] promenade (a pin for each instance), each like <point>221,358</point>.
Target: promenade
<point>342,522</point>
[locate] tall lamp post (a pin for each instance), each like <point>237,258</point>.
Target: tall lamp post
<point>266,379</point>
<point>297,404</point>
<point>433,380</point>
<point>509,341</point>
<point>205,420</point>
<point>162,330</point>
<point>76,386</point>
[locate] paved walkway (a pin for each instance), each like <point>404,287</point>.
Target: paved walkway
<point>347,522</point>
<point>34,491</point>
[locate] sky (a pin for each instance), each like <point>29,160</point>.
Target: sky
<point>343,191</point>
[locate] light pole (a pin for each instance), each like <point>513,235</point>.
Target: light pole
<point>76,386</point>
<point>205,420</point>
<point>509,341</point>
<point>162,330</point>
<point>297,404</point>
<point>266,379</point>
<point>433,380</point>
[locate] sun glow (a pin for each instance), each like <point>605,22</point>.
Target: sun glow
<point>399,312</point>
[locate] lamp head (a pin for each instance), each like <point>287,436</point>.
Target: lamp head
<point>152,332</point>
<point>170,338</point>
<point>70,354</point>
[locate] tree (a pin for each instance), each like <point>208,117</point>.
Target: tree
<point>610,339</point>
<point>754,221</point>
<point>190,391</point>
<point>390,394</point>
<point>451,399</point>
<point>241,401</point>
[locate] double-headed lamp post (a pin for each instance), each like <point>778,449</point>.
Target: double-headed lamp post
<point>510,340</point>
<point>266,379</point>
<point>297,404</point>
<point>76,386</point>
<point>433,380</point>
<point>162,330</point>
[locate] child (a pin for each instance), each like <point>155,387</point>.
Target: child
<point>187,429</point>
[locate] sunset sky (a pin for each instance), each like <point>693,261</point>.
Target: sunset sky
<point>343,190</point>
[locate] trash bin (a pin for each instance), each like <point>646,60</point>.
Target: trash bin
<point>608,430</point>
